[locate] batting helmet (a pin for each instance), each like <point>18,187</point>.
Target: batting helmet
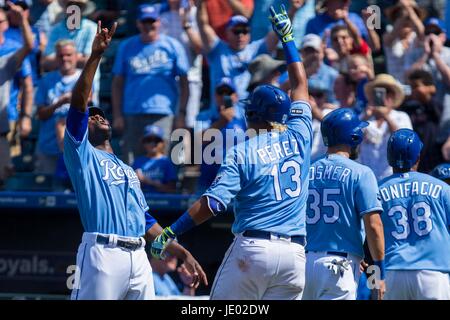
<point>342,126</point>
<point>442,171</point>
<point>267,103</point>
<point>403,149</point>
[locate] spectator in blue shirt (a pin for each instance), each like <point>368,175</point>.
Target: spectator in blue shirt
<point>150,82</point>
<point>230,58</point>
<point>155,170</point>
<point>333,13</point>
<point>82,35</point>
<point>319,74</point>
<point>14,34</point>
<point>52,100</point>
<point>165,286</point>
<point>22,81</point>
<point>232,131</point>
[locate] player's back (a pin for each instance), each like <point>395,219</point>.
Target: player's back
<point>268,177</point>
<point>341,191</point>
<point>416,222</point>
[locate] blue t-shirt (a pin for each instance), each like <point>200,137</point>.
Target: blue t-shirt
<point>267,176</point>
<point>416,222</point>
<point>236,127</point>
<point>16,35</point>
<point>165,286</point>
<point>50,88</point>
<point>323,22</point>
<point>341,191</point>
<point>108,192</point>
<point>323,79</point>
<point>7,47</point>
<point>160,169</point>
<point>226,62</point>
<point>150,71</point>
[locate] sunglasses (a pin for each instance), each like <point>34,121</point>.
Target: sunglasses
<point>148,21</point>
<point>152,139</point>
<point>224,92</point>
<point>240,31</point>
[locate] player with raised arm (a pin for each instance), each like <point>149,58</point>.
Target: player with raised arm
<point>111,260</point>
<point>342,196</point>
<point>416,222</point>
<point>267,177</point>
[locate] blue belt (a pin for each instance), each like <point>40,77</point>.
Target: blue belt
<point>335,253</point>
<point>125,244</point>
<point>268,235</point>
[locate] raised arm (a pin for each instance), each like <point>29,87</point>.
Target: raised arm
<point>282,25</point>
<point>239,8</point>
<point>207,33</point>
<point>27,34</point>
<point>83,87</point>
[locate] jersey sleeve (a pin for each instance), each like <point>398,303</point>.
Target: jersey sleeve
<point>300,119</point>
<point>77,150</point>
<point>366,194</point>
<point>228,180</point>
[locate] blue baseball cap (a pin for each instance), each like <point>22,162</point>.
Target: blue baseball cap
<point>147,11</point>
<point>236,20</point>
<point>153,131</point>
<point>226,82</point>
<point>96,110</point>
<point>442,171</point>
<point>430,22</point>
<point>25,4</point>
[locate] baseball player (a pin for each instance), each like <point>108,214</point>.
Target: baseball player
<point>442,172</point>
<point>111,260</point>
<point>342,195</point>
<point>267,176</point>
<point>416,222</point>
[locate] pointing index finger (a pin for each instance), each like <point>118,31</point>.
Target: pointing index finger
<point>99,26</point>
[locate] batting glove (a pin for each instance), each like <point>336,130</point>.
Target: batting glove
<point>281,24</point>
<point>161,242</point>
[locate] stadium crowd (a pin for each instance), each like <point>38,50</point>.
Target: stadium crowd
<point>187,64</point>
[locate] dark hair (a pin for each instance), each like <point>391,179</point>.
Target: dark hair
<point>348,80</point>
<point>422,75</point>
<point>338,28</point>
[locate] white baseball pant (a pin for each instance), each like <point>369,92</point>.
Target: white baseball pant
<point>417,285</point>
<point>109,272</point>
<point>331,277</point>
<point>261,269</point>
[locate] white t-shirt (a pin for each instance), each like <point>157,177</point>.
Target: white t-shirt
<point>373,152</point>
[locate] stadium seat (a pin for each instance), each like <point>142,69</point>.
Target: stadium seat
<point>28,181</point>
<point>23,163</point>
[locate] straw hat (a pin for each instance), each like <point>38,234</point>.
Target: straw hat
<point>385,81</point>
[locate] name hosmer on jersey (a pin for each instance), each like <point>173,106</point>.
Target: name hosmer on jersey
<point>408,189</point>
<point>333,173</point>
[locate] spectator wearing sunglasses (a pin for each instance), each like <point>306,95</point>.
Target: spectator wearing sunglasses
<point>227,122</point>
<point>155,170</point>
<point>434,57</point>
<point>150,83</point>
<point>232,56</point>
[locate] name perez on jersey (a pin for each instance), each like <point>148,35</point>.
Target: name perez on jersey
<point>330,172</point>
<point>278,150</point>
<point>405,190</point>
<point>117,173</point>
